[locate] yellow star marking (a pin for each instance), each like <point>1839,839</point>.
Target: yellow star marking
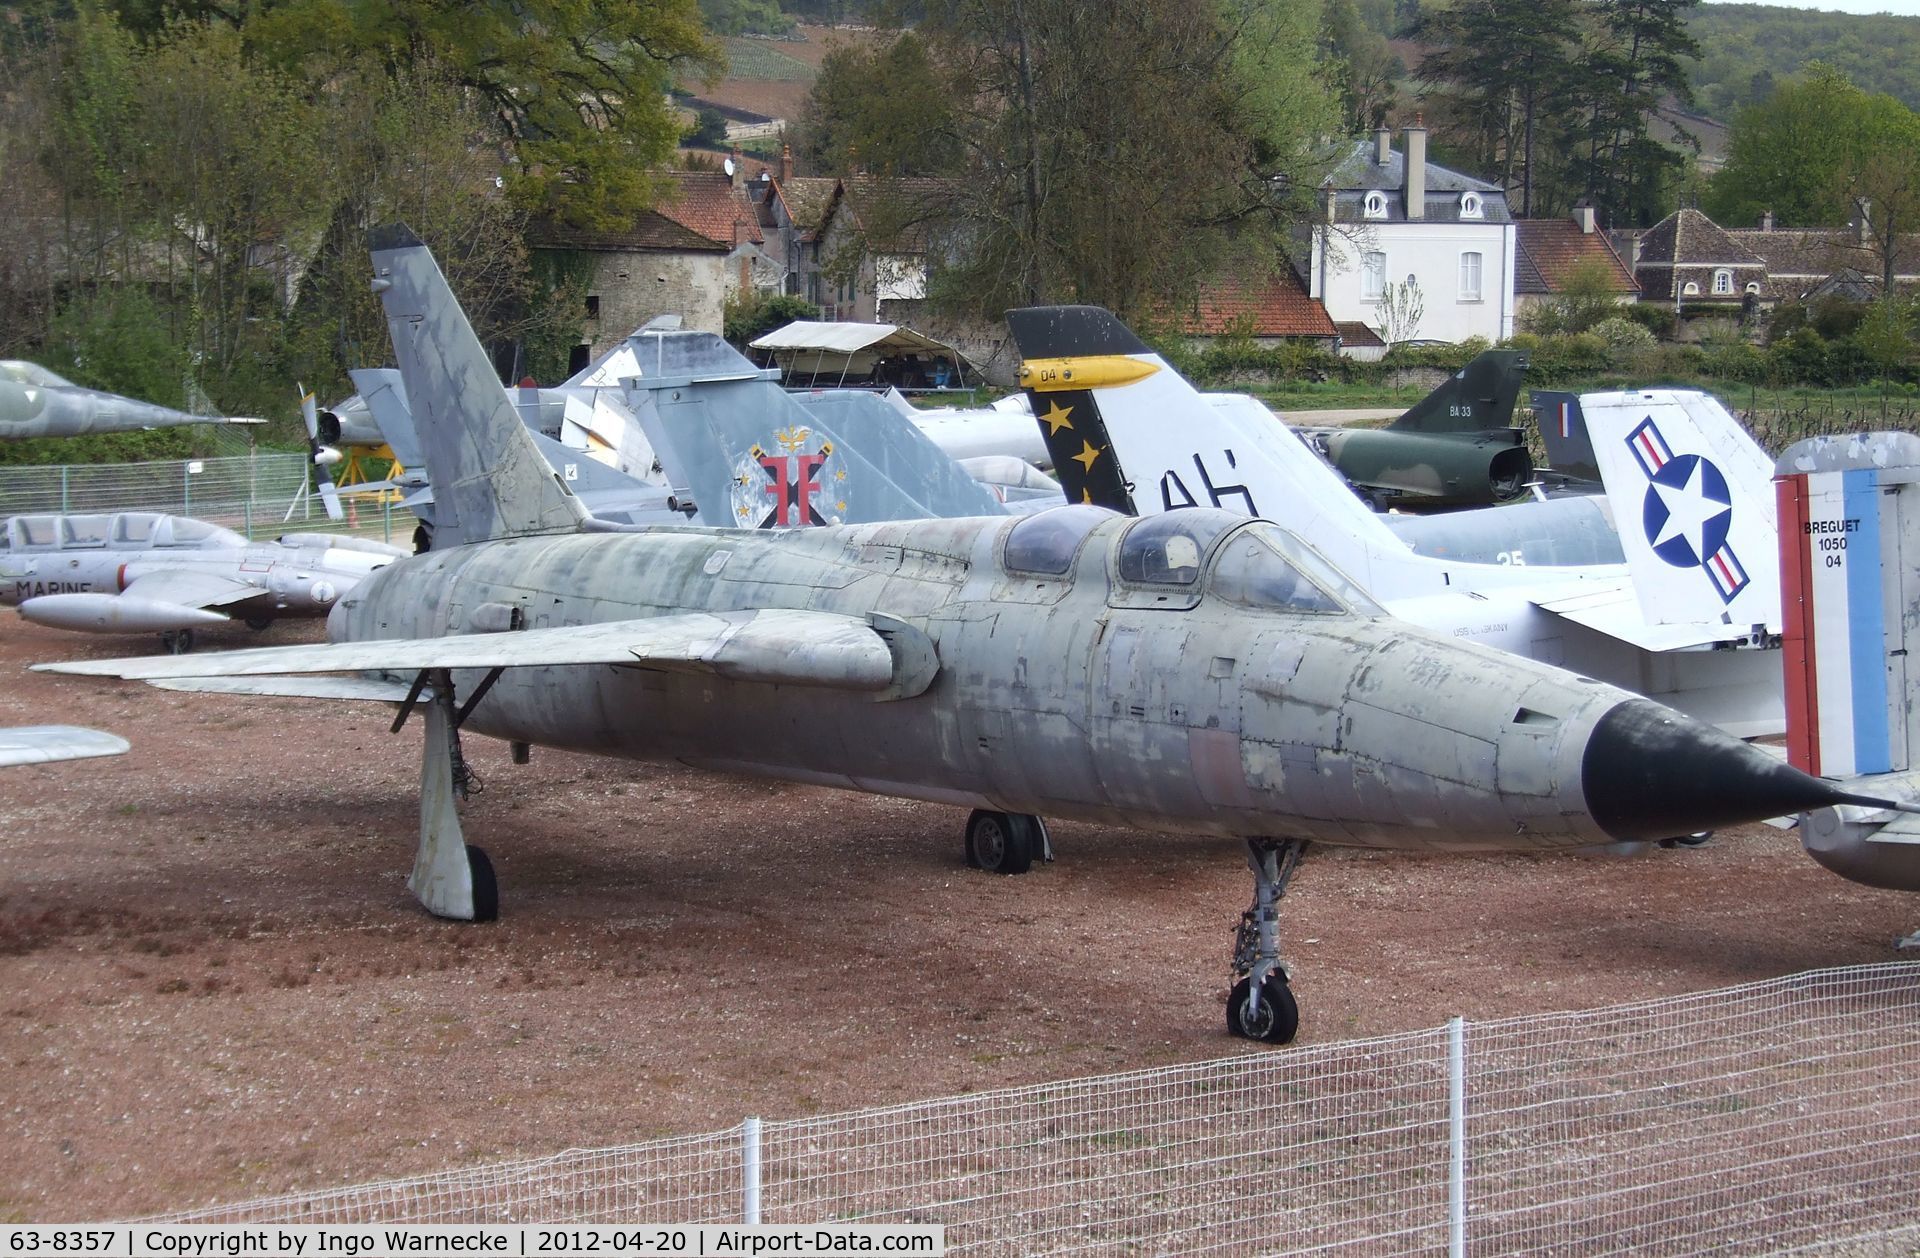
<point>1086,496</point>
<point>1056,417</point>
<point>841,474</point>
<point>839,506</point>
<point>1087,456</point>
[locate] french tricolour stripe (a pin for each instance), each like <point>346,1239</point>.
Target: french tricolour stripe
<point>1846,624</point>
<point>1566,419</point>
<point>1649,448</point>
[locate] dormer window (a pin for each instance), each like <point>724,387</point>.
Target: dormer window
<point>1690,289</point>
<point>1375,205</point>
<point>1722,282</point>
<point>1470,205</point>
<point>1753,286</point>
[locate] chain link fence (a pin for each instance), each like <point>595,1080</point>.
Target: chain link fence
<point>1776,1116</point>
<point>260,494</point>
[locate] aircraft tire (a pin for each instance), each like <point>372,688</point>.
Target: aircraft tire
<point>486,888</point>
<point>999,842</point>
<point>1697,839</point>
<point>259,624</point>
<point>177,641</point>
<point>1279,1013</point>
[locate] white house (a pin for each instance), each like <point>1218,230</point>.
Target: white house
<point>1391,219</point>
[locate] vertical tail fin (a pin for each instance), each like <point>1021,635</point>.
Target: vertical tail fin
<point>1563,429</point>
<point>1850,580</point>
<point>1478,398</point>
<point>488,479</point>
<point>1692,497</point>
<point>1127,432</point>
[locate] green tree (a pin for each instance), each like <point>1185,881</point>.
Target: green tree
<point>1881,179</point>
<point>1635,61</point>
<point>1118,153</point>
<point>1364,68</point>
<point>1504,68</point>
<point>882,106</point>
<point>1588,296</point>
<point>1789,154</point>
<point>574,89</point>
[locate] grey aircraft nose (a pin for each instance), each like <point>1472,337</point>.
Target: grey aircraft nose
<point>1651,773</point>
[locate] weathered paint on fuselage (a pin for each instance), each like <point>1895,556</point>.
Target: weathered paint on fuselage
<point>1075,696</point>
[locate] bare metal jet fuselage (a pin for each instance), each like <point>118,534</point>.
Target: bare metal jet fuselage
<point>1174,705</point>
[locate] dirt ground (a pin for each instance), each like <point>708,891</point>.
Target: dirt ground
<point>215,985</point>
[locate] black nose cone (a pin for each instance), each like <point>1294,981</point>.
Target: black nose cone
<point>1651,773</point>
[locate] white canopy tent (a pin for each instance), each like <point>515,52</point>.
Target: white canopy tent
<point>812,352</point>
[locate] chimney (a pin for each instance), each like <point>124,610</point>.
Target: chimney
<point>733,171</point>
<point>1382,146</point>
<point>786,161</point>
<point>1862,228</point>
<point>1766,220</point>
<point>1583,215</point>
<point>1417,169</point>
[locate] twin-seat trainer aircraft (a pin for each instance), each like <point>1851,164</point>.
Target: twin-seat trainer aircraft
<point>1456,447</point>
<point>142,572</point>
<point>1129,433</point>
<point>34,402</point>
<point>1196,672</point>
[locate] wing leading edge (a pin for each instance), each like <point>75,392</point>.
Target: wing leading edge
<point>779,647</point>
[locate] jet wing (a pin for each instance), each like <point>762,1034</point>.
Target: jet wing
<point>42,744</point>
<point>1613,609</point>
<point>784,647</point>
<point>189,589</point>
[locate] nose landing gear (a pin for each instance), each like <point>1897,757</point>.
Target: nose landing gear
<point>1261,1005</point>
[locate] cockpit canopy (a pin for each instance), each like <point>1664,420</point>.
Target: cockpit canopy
<point>1252,563</point>
<point>132,530</point>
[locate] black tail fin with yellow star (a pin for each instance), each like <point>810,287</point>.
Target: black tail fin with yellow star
<point>1068,354</point>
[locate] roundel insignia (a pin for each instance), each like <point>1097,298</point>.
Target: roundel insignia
<point>1687,498</point>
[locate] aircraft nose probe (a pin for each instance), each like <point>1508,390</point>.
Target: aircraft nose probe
<point>1650,773</point>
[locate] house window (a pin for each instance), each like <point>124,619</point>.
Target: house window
<point>1469,277</point>
<point>593,305</point>
<point>1722,282</point>
<point>1690,289</point>
<point>1373,276</point>
<point>1376,205</point>
<point>1470,205</point>
<point>1753,286</point>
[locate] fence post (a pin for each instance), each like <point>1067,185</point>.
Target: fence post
<point>1457,1138</point>
<point>750,1172</point>
<point>186,488</point>
<point>66,474</point>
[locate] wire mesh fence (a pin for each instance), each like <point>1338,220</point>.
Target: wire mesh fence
<point>1777,1116</point>
<point>258,494</point>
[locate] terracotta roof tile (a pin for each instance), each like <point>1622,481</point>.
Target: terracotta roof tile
<point>706,202</point>
<point>1554,246</point>
<point>1276,306</point>
<point>650,231</point>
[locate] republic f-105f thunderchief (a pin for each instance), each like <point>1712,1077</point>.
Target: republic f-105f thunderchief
<point>141,572</point>
<point>34,402</point>
<point>1197,672</point>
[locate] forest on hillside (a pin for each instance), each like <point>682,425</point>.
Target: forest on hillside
<point>1747,48</point>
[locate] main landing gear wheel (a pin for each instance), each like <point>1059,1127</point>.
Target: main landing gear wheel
<point>1002,842</point>
<point>1273,1021</point>
<point>486,888</point>
<point>1261,1005</point>
<point>259,624</point>
<point>177,641</point>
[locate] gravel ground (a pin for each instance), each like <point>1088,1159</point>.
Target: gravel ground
<point>214,983</point>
